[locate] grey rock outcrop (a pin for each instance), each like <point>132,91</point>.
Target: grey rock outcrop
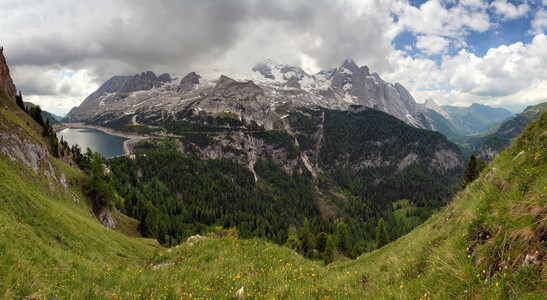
<point>293,82</point>
<point>350,65</point>
<point>164,78</point>
<point>244,99</point>
<point>188,82</point>
<point>264,70</point>
<point>143,82</point>
<point>5,79</point>
<point>105,217</point>
<point>431,104</point>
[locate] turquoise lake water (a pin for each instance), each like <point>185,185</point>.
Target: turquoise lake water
<point>106,144</point>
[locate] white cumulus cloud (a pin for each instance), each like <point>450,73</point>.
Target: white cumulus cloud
<point>539,22</point>
<point>432,18</point>
<point>509,11</point>
<point>431,44</point>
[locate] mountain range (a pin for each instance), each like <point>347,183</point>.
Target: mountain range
<point>456,121</point>
<point>269,91</point>
<point>255,95</point>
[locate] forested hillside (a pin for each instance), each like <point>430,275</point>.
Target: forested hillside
<point>326,166</point>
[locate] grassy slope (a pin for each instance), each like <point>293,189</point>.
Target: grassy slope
<point>51,246</point>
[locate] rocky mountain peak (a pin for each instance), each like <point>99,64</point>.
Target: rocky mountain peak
<point>261,91</point>
<point>364,71</point>
<point>188,82</point>
<point>224,81</point>
<point>350,65</point>
<point>264,69</point>
<point>431,104</point>
<point>5,79</point>
<point>377,78</point>
<point>164,78</point>
<point>143,82</point>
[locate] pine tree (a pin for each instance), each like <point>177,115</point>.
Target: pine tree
<point>19,101</point>
<point>471,173</point>
<point>36,113</point>
<point>382,237</point>
<point>321,242</point>
<point>149,222</point>
<point>342,237</point>
<point>328,254</point>
<point>305,238</point>
<point>292,239</point>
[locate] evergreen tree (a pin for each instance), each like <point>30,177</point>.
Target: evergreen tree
<point>149,222</point>
<point>321,242</point>
<point>382,237</point>
<point>471,173</point>
<point>36,113</point>
<point>306,238</point>
<point>292,239</point>
<point>19,101</point>
<point>328,254</point>
<point>76,153</point>
<point>342,237</point>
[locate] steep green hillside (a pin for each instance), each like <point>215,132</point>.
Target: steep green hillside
<point>49,241</point>
<point>497,141</point>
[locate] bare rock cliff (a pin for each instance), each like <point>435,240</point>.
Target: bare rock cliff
<point>5,79</point>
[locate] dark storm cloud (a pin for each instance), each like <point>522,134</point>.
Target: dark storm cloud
<point>140,35</point>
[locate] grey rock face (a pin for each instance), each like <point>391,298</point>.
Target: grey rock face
<point>350,65</point>
<point>264,70</point>
<point>431,104</point>
<point>164,78</point>
<point>188,82</point>
<point>5,79</point>
<point>143,82</point>
<point>244,99</point>
<point>105,217</point>
<point>341,78</point>
<point>486,153</point>
<point>293,82</point>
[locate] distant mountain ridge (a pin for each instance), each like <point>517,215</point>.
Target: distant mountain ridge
<point>464,121</point>
<point>156,100</point>
<point>475,118</point>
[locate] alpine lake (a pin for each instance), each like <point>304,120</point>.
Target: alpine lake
<point>106,144</point>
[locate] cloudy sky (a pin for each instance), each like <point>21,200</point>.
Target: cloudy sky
<point>456,52</point>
